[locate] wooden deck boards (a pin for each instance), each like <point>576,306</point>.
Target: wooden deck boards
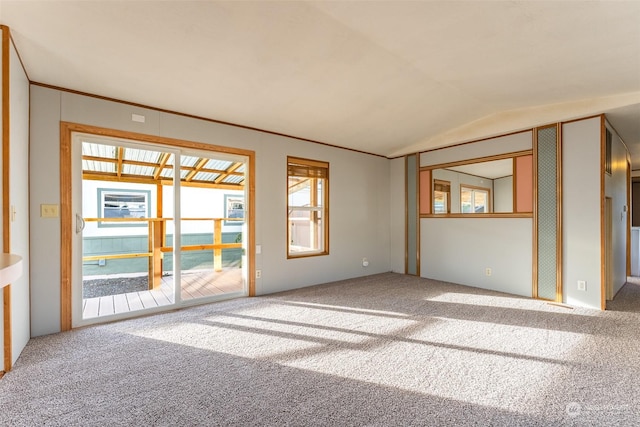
<point>194,285</point>
<point>120,303</point>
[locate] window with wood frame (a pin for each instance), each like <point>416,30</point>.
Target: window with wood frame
<point>474,199</point>
<point>441,196</point>
<point>123,203</point>
<point>307,207</point>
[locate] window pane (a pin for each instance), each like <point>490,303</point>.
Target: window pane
<point>305,231</point>
<point>125,206</point>
<point>480,201</point>
<point>439,202</point>
<point>465,200</point>
<point>474,200</point>
<point>441,195</point>
<point>299,191</point>
<point>124,203</point>
<point>302,192</point>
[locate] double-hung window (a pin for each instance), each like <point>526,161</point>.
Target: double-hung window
<point>307,207</point>
<point>123,203</point>
<point>474,199</point>
<point>441,196</point>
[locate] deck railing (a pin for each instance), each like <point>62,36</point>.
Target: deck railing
<point>157,244</point>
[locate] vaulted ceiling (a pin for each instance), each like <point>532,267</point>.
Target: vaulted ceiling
<point>387,77</point>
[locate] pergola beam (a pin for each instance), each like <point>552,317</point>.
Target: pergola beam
<point>158,167</point>
<point>138,179</point>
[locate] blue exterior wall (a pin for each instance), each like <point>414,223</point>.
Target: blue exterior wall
<point>111,245</point>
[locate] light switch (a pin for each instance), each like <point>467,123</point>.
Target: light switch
<point>49,211</point>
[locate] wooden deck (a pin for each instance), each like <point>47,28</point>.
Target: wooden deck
<point>196,284</point>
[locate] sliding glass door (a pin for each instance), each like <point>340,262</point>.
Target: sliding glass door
<point>146,241</point>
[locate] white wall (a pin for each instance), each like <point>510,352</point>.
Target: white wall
<point>44,187</point>
<point>19,203</point>
<point>459,250</point>
<point>582,256</point>
<point>616,188</point>
<point>359,196</point>
<point>503,194</point>
<point>359,211</point>
<point>199,203</point>
<point>19,199</point>
<point>581,204</point>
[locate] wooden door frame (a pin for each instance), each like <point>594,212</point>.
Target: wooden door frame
<point>6,201</point>
<point>67,129</point>
<point>628,212</point>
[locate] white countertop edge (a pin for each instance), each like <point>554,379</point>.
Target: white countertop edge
<point>10,268</point>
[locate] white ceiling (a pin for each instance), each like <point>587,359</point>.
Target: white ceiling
<point>493,170</point>
<point>387,77</point>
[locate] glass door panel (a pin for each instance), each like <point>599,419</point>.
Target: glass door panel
<point>122,237</point>
<point>212,218</point>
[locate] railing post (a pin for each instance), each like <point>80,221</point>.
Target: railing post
<point>155,260</point>
<point>217,240</point>
<point>151,272</point>
<point>157,255</point>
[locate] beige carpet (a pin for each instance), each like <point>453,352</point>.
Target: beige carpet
<point>383,350</point>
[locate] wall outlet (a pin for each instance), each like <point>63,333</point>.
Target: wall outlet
<point>487,271</point>
<point>365,262</point>
<point>582,285</point>
<point>258,274</point>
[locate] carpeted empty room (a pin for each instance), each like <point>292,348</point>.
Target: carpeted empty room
<point>387,349</point>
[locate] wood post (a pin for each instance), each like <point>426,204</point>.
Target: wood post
<point>217,240</point>
<point>157,254</point>
<point>155,261</point>
<point>157,245</point>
